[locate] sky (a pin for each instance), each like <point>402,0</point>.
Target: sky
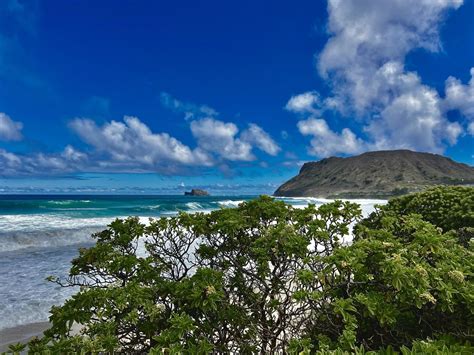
<point>232,96</point>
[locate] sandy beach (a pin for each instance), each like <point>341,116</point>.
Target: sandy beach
<point>20,334</point>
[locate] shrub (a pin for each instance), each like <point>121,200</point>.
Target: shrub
<point>447,207</point>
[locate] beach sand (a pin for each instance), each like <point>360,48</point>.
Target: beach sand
<point>21,334</point>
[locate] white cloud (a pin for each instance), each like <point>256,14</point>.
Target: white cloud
<point>68,161</point>
<point>223,139</point>
<point>71,154</point>
<point>256,136</point>
<point>363,62</point>
<point>461,97</point>
<point>470,128</point>
<point>220,137</point>
<point>411,113</point>
<point>132,144</point>
<point>10,130</point>
<point>304,103</point>
<point>326,142</point>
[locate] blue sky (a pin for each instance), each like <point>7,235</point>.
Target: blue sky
<point>157,97</point>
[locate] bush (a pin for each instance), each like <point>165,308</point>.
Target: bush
<point>266,277</point>
<point>447,207</point>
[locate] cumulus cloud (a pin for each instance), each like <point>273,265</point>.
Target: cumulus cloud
<point>304,103</point>
<point>256,136</point>
<point>71,154</point>
<point>363,63</point>
<point>10,130</point>
<point>132,144</point>
<point>223,139</point>
<point>412,115</point>
<point>220,137</point>
<point>68,161</point>
<point>470,128</point>
<point>326,142</point>
<point>461,97</point>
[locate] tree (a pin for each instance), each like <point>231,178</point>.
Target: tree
<point>267,277</point>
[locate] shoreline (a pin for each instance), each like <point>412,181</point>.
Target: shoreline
<point>21,334</point>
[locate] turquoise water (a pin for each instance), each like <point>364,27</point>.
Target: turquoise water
<point>110,206</point>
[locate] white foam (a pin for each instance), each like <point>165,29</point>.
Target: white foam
<point>35,222</point>
<point>67,202</point>
<point>194,206</point>
<point>229,203</point>
<point>47,230</point>
<point>46,239</point>
<point>367,205</point>
<point>26,296</point>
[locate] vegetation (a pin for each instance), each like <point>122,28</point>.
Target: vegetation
<point>267,277</point>
<point>449,208</point>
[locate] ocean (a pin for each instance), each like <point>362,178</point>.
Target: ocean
<point>40,235</point>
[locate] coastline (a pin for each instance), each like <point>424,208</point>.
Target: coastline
<point>21,334</point>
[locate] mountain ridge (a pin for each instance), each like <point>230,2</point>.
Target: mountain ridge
<point>376,174</point>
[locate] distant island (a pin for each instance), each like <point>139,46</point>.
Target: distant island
<point>196,192</point>
<point>378,174</point>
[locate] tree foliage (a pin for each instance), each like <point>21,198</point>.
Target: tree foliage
<point>447,207</point>
<point>268,277</point>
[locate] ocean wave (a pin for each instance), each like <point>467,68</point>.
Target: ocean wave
<point>367,205</point>
<point>45,239</point>
<point>42,230</point>
<point>60,202</point>
<point>80,209</point>
<point>42,222</point>
<point>230,203</point>
<point>304,200</point>
<point>193,206</point>
<point>67,202</point>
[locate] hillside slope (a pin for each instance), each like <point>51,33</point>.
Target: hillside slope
<point>376,174</point>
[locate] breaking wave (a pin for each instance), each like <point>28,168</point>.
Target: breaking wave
<point>230,203</point>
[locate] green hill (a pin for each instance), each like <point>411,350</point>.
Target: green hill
<point>377,174</point>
